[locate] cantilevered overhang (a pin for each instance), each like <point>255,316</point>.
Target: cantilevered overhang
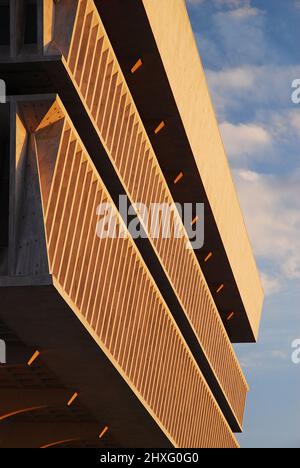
<point>213,331</point>
<point>170,86</point>
<point>91,103</point>
<point>190,142</point>
<point>54,192</point>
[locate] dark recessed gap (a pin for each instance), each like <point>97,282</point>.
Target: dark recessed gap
<point>31,20</point>
<point>4,176</point>
<point>4,23</point>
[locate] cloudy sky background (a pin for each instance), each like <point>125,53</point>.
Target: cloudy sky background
<point>251,53</point>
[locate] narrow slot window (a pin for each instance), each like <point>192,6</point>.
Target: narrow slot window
<point>4,24</point>
<point>4,192</point>
<point>31,20</point>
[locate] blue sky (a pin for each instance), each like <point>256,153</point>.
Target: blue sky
<point>251,53</point>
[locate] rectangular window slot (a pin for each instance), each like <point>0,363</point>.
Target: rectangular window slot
<point>31,23</point>
<point>4,24</point>
<point>4,175</point>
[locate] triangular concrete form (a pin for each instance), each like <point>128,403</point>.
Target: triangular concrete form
<point>38,130</point>
<point>39,114</point>
<point>31,257</point>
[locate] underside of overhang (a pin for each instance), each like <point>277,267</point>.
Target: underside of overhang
<point>34,398</point>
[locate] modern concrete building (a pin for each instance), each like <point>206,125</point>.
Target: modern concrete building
<point>116,342</point>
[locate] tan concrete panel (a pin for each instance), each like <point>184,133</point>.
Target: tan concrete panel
<point>176,43</point>
<point>132,155</point>
<point>143,342</point>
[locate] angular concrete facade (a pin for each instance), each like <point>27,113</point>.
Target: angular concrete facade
<point>154,320</point>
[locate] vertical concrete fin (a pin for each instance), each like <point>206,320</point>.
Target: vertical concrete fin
<point>30,243</point>
<point>65,14</point>
<point>48,12</point>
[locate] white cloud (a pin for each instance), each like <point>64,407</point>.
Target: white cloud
<point>295,120</point>
<point>240,78</point>
<point>248,176</point>
<point>278,354</point>
<point>285,124</point>
<point>195,2</point>
<point>245,81</point>
<point>244,140</point>
<point>271,284</point>
<point>261,86</point>
<point>240,9</point>
<point>241,35</point>
<point>261,360</point>
<point>234,3</point>
<point>223,3</point>
<point>244,12</point>
<point>272,212</point>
